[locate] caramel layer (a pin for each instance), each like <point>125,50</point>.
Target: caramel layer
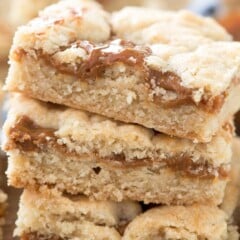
<point>171,82</point>
<point>28,136</point>
<point>103,56</point>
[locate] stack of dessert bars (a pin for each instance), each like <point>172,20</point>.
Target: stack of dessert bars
<point>120,125</point>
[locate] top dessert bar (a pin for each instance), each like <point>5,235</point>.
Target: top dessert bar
<point>175,72</point>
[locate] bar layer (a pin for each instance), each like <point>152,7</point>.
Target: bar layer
<point>165,222</point>
<point>108,160</point>
<point>49,216</point>
<point>158,69</point>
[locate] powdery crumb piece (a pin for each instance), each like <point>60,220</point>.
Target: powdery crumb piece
<point>197,95</point>
<point>131,96</point>
<point>71,56</point>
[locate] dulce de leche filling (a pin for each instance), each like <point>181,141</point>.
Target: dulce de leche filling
<point>28,136</point>
<point>101,57</point>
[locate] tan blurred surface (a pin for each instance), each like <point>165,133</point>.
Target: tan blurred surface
<point>229,5</point>
<point>111,5</point>
<point>231,21</point>
<point>13,196</point>
<point>237,123</point>
<point>6,31</point>
<point>21,11</point>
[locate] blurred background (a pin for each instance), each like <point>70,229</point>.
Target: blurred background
<point>14,13</point>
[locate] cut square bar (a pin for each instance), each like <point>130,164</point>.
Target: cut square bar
<point>80,152</point>
<point>175,72</point>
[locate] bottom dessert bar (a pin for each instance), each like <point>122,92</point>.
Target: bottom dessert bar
<point>55,217</point>
<point>79,152</point>
<point>47,215</point>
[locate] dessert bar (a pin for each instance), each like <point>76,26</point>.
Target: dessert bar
<point>174,72</point>
<point>80,152</point>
